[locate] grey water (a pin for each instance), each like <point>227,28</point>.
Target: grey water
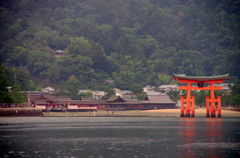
<point>120,137</point>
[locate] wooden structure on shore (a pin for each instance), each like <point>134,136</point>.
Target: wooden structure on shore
<point>45,102</point>
<point>213,103</point>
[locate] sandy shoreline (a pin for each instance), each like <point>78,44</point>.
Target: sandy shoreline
<point>139,113</point>
<point>198,112</point>
<point>102,113</point>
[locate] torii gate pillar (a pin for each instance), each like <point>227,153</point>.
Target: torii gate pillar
<point>213,105</point>
<point>189,111</point>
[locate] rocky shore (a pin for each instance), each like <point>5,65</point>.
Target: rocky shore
<point>13,112</point>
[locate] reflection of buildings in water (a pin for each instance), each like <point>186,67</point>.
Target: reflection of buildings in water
<point>187,136</point>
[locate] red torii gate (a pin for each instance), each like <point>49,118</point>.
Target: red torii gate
<point>211,101</point>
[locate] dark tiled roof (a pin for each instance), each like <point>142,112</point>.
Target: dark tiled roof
<point>45,97</point>
<point>115,99</point>
<point>86,98</point>
<point>128,102</point>
<point>61,102</point>
<point>41,103</point>
<point>162,99</point>
<point>61,98</point>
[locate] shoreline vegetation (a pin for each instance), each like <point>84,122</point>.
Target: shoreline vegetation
<point>34,112</point>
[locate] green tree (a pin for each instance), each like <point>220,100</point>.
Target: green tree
<point>108,46</point>
<point>226,99</point>
<point>24,23</point>
<point>151,45</point>
<point>5,97</point>
<point>6,52</point>
<point>173,95</point>
<point>82,94</point>
<point>162,66</point>
<point>38,63</point>
<point>60,42</point>
<point>111,85</point>
<point>141,96</point>
<point>17,96</point>
<point>164,79</point>
<point>235,95</point>
<point>6,19</point>
<point>137,89</point>
<point>89,93</point>
<point>79,46</point>
<point>14,29</point>
<point>119,46</point>
<point>73,92</point>
<point>105,63</point>
<point>22,79</point>
<point>200,98</point>
<point>18,56</point>
<point>73,81</point>
<point>187,67</point>
<point>54,72</point>
<point>108,93</point>
<point>3,80</point>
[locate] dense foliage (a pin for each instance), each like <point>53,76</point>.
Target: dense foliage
<point>130,41</point>
<point>10,92</point>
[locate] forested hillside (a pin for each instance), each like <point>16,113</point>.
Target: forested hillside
<point>129,41</point>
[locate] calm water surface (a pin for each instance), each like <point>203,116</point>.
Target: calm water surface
<point>126,137</point>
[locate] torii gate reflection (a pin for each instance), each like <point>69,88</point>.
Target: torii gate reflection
<point>197,135</point>
<point>213,104</point>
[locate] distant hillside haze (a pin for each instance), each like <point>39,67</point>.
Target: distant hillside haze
<point>78,44</point>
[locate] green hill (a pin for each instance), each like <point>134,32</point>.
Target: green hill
<point>129,41</point>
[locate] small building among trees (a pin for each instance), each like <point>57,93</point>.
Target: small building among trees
<point>58,53</point>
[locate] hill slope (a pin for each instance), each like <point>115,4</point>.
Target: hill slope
<point>129,41</point>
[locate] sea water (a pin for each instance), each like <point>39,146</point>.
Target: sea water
<point>120,137</point>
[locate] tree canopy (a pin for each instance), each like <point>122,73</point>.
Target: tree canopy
<point>10,93</point>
